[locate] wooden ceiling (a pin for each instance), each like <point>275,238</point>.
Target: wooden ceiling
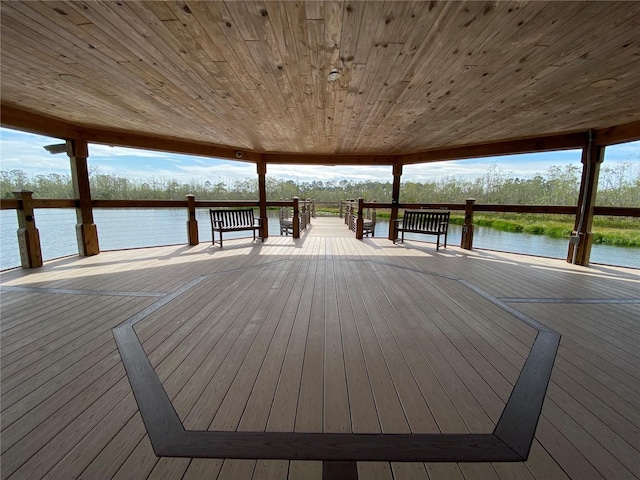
<point>413,76</point>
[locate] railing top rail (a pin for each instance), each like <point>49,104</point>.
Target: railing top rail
<point>13,204</point>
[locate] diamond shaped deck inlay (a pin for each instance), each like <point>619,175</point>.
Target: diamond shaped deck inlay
<point>510,440</point>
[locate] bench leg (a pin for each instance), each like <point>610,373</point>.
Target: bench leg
<point>220,238</point>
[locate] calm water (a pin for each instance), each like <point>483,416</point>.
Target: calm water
<point>130,228</point>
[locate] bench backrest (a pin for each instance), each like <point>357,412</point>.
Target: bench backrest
<point>232,218</point>
<point>426,220</point>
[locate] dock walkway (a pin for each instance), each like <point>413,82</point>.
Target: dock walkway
<point>322,334</point>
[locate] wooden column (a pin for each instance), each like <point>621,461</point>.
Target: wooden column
<point>467,228</point>
<point>340,214</point>
<point>192,222</point>
<point>360,220</point>
<point>28,235</point>
<point>262,193</point>
<point>395,199</point>
<point>295,217</point>
<point>86,231</point>
<point>582,237</point>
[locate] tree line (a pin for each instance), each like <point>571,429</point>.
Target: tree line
<point>619,185</point>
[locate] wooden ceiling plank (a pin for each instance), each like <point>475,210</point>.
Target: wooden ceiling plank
<point>189,86</point>
<point>529,72</point>
<point>500,79</point>
<point>389,55</point>
<point>433,49</point>
<point>314,9</point>
<point>348,115</point>
<point>202,53</point>
<point>493,129</point>
<point>68,94</point>
<point>293,62</point>
<point>471,46</point>
<point>222,31</point>
<point>332,39</point>
<point>374,60</point>
<point>196,83</point>
<point>163,82</point>
<point>241,60</point>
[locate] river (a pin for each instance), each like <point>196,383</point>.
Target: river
<point>132,228</point>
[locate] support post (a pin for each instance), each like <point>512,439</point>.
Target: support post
<point>582,238</point>
<point>360,220</point>
<point>86,230</point>
<point>340,214</point>
<point>28,235</point>
<point>395,200</point>
<point>262,193</point>
<point>192,222</point>
<point>296,218</point>
<point>467,228</point>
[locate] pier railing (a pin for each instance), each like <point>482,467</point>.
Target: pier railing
<point>29,240</point>
<point>355,212</point>
<point>352,210</point>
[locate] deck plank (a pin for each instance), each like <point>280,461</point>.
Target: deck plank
<point>321,333</point>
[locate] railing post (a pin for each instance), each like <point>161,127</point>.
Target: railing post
<point>467,228</point>
<point>28,235</point>
<point>192,222</point>
<point>86,230</point>
<point>262,194</point>
<point>296,218</point>
<point>582,238</point>
<point>395,200</point>
<point>360,219</point>
<point>340,214</point>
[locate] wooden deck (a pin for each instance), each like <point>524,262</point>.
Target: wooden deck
<point>323,334</point>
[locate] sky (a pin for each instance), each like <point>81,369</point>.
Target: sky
<point>24,151</point>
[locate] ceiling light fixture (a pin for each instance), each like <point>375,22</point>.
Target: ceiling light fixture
<point>334,75</point>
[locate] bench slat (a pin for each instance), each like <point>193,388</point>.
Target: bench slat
<point>233,221</point>
<point>430,222</point>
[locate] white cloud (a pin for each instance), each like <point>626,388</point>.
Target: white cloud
<point>105,152</point>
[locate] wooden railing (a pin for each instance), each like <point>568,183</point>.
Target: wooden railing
<point>288,216</point>
<point>354,212</point>
<point>355,218</point>
<point>29,239</point>
<point>351,210</point>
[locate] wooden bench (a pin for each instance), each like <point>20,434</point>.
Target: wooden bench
<point>234,221</point>
<point>431,222</point>
<point>286,221</point>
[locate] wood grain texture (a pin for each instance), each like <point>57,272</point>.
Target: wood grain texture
<point>413,78</point>
<point>68,410</point>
